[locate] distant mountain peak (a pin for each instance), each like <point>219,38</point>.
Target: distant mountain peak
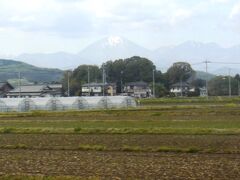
<point>116,47</point>
<point>194,44</point>
<point>111,48</point>
<point>114,41</point>
<point>197,44</point>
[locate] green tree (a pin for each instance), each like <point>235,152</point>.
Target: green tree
<point>219,86</point>
<point>198,83</point>
<point>131,69</point>
<point>237,77</point>
<point>179,71</point>
<point>119,71</point>
<point>160,90</point>
<point>138,69</point>
<point>81,73</point>
<point>79,76</point>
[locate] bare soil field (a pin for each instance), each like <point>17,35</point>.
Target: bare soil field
<point>119,165</point>
<point>115,142</point>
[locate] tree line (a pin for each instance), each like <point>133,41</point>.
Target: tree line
<point>137,68</point>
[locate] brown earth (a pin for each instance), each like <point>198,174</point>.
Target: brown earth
<point>120,165</point>
<point>219,143</point>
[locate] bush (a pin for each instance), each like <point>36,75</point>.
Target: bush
<point>7,130</point>
<point>77,129</point>
<point>87,147</point>
<point>231,105</point>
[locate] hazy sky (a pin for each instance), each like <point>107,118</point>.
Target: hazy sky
<point>70,25</point>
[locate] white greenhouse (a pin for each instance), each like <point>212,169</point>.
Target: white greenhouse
<point>65,103</point>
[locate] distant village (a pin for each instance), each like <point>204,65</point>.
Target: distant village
<point>134,89</point>
<point>136,77</point>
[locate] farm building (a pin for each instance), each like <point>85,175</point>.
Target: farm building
<point>65,103</point>
<point>35,91</point>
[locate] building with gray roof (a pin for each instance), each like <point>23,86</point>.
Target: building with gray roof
<point>31,91</point>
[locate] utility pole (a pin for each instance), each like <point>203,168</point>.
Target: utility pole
<point>121,81</point>
<point>68,83</point>
<point>229,83</point>
<point>103,75</point>
<point>207,62</point>
<point>19,84</point>
<point>88,82</point>
<point>153,83</point>
<point>181,84</point>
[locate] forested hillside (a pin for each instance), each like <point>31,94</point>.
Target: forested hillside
<point>9,69</point>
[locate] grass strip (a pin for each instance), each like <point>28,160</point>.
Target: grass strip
<point>80,113</point>
<point>125,148</point>
<point>166,131</point>
<point>196,100</point>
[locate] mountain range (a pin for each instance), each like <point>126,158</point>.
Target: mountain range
<point>112,48</point>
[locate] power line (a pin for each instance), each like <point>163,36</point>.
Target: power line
<point>194,64</point>
<point>215,62</point>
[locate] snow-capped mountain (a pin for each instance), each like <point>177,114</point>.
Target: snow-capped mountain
<point>115,47</point>
<point>114,41</point>
<point>112,48</point>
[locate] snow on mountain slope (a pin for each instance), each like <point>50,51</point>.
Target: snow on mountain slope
<point>112,48</point>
